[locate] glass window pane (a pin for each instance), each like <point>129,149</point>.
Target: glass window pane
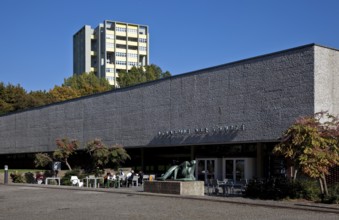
<point>210,169</point>
<point>229,169</point>
<point>201,170</point>
<point>240,170</point>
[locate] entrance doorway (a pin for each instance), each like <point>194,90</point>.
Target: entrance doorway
<point>234,169</point>
<point>237,169</point>
<point>206,169</point>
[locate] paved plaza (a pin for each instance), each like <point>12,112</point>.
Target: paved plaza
<point>26,202</point>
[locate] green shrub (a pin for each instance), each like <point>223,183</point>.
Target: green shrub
<point>283,188</point>
<point>308,189</point>
<point>66,179</point>
<point>48,173</point>
<point>29,177</point>
<point>333,196</point>
<point>17,177</point>
<point>272,188</point>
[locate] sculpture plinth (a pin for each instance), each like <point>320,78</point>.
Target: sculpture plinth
<point>193,188</point>
<point>179,180</point>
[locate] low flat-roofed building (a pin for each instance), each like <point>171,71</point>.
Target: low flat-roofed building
<point>226,117</point>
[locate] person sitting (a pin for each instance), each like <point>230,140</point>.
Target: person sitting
<point>141,176</point>
<point>106,178</point>
<point>112,177</point>
<point>121,174</point>
<point>130,176</point>
<point>121,177</point>
<point>39,178</point>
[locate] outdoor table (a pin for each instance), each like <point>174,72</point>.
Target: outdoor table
<point>116,182</point>
<point>52,178</point>
<point>240,186</point>
<point>227,188</point>
<point>93,178</point>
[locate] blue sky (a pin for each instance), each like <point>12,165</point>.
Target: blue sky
<point>185,35</point>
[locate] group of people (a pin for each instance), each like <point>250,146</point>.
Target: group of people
<point>123,178</point>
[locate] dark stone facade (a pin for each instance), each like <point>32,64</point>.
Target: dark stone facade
<point>248,101</point>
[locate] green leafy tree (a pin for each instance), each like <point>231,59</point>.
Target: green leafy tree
<point>137,75</point>
<point>99,153</point>
<point>39,98</point>
<point>154,72</point>
<point>63,93</point>
<point>87,84</point>
<point>13,98</point>
<point>65,149</point>
<point>42,160</point>
<point>311,143</point>
<point>102,155</point>
<point>4,107</point>
<point>118,155</point>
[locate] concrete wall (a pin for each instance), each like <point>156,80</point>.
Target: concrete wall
<point>326,80</point>
<point>263,94</point>
<point>82,50</point>
<point>190,188</point>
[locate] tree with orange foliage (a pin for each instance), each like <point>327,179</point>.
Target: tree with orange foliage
<point>65,149</point>
<point>312,144</point>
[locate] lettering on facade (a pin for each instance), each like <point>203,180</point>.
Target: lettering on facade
<point>217,129</point>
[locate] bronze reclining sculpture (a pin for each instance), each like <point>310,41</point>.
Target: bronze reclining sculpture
<point>182,172</point>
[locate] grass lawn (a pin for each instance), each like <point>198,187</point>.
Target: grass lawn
<point>21,171</point>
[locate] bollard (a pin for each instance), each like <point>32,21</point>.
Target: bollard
<point>6,174</point>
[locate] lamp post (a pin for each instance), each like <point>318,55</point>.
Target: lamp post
<point>6,174</point>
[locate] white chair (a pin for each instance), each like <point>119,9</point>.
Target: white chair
<point>216,186</point>
<point>213,186</point>
<point>144,177</point>
<point>241,185</point>
<point>135,180</point>
<point>76,181</point>
<point>210,188</point>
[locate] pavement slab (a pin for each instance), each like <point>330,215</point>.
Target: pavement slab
<point>28,201</point>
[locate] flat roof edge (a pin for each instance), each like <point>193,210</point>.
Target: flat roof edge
<point>254,57</point>
<point>175,76</point>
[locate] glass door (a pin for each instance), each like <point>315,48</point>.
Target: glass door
<point>234,169</point>
<point>206,169</point>
<point>229,169</point>
<point>239,170</point>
